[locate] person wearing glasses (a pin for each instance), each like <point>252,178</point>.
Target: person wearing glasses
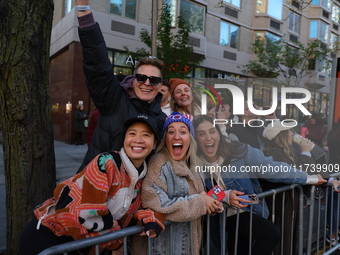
<point>116,102</point>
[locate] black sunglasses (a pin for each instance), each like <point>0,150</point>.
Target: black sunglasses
<point>141,78</point>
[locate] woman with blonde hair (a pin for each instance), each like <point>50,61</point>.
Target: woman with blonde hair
<point>183,98</point>
<point>173,189</point>
<point>280,148</point>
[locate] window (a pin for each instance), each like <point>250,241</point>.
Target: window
<point>125,8</point>
<point>334,42</point>
<point>336,13</point>
<point>321,65</point>
<point>194,15</point>
<point>122,63</point>
<point>318,30</point>
<point>68,6</point>
<point>229,35</point>
<point>294,22</point>
<point>173,4</point>
<point>271,7</point>
<point>324,3</point>
<point>236,3</point>
<point>261,35</point>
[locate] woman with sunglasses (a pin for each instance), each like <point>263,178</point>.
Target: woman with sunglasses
<point>173,189</point>
<point>214,150</point>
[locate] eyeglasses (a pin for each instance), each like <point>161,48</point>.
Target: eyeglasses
<point>141,78</point>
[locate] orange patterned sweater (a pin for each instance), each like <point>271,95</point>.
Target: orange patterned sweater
<point>102,198</point>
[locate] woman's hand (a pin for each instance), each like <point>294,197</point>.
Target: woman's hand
<point>234,199</point>
<point>320,179</point>
<point>306,145</point>
<point>212,205</point>
<point>336,184</point>
<point>83,2</point>
<point>149,233</point>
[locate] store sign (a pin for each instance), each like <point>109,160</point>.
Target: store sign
<point>230,78</point>
<point>130,60</point>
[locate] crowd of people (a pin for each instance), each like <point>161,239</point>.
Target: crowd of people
<point>140,167</point>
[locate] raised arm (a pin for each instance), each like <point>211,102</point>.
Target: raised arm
<point>102,84</point>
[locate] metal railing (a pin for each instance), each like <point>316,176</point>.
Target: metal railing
<point>312,214</point>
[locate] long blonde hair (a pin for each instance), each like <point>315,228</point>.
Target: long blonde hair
<point>281,141</point>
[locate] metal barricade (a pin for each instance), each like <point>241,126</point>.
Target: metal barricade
<point>312,228</point>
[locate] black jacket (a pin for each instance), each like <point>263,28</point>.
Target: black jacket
<point>113,101</point>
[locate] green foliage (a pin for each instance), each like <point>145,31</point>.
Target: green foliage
<point>289,64</point>
<point>172,48</point>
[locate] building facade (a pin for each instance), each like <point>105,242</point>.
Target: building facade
<point>221,31</point>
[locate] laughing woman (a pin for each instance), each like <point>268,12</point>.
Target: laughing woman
<point>214,149</point>
<point>172,189</point>
<point>104,197</point>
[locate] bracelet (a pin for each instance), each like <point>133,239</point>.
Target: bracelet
<point>82,8</point>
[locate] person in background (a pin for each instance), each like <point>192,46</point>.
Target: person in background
<point>245,133</point>
<point>172,188</point>
<point>316,130</point>
<point>280,148</point>
<point>92,125</point>
<point>79,126</point>
<point>333,143</point>
<point>165,102</point>
<point>104,197</point>
<point>214,149</point>
<point>115,101</point>
<point>183,98</point>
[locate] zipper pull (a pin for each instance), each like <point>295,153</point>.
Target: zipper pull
<point>39,223</point>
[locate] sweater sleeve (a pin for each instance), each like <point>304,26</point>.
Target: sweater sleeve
<point>273,171</point>
<point>101,177</point>
<point>175,208</point>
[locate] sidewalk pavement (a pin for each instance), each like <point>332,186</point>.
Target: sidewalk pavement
<point>68,159</point>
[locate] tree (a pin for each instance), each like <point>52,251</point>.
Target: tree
<point>173,49</point>
<point>25,120</point>
<point>288,64</point>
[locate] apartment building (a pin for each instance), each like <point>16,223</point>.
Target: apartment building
<point>221,31</point>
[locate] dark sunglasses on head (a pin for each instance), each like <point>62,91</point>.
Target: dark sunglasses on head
<point>141,78</point>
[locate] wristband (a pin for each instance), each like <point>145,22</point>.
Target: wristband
<point>82,8</point>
